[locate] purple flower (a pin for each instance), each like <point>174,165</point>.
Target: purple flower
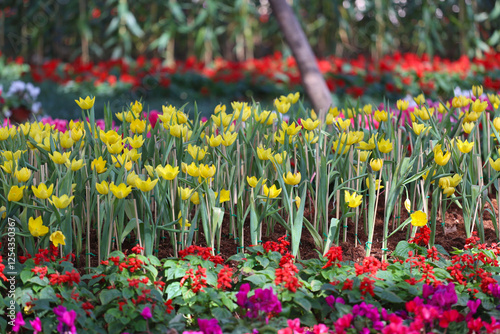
<point>494,289</point>
<point>66,319</point>
<point>18,322</point>
<point>146,313</point>
<point>37,325</point>
<point>241,296</point>
<point>209,326</point>
<point>265,301</point>
<point>331,300</point>
<point>473,305</point>
<point>444,297</point>
<point>427,290</point>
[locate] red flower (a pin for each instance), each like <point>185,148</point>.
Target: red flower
<point>334,256</point>
<point>367,286</point>
<point>168,305</point>
<point>41,271</point>
<point>224,278</point>
<point>137,249</point>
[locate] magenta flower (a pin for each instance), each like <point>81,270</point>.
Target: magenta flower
<point>66,319</point>
<point>37,325</point>
<point>331,301</point>
<point>209,326</point>
<point>18,322</point>
<point>242,295</point>
<point>146,313</point>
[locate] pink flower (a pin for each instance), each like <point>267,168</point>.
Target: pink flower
<point>146,313</point>
<point>37,325</point>
<point>18,322</point>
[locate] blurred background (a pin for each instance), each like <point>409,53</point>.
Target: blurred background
<point>203,32</point>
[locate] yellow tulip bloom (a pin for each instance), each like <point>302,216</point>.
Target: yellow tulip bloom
<point>384,146</point>
<point>252,181</point>
<point>205,171</point>
<point>23,174</point>
<point>381,115</point>
<point>467,126</point>
<point>477,91</point>
<point>442,158</point>
<point>99,165</point>
<point>185,193</point>
<point>65,140</point>
<point>87,103</point>
<point>61,202</point>
<point>292,179</point>
<point>15,194</point>
<point>195,198</point>
<point>132,179</point>
<point>196,152</point>
<point>376,164</point>
<point>42,192</point>
<point>224,196</point>
<point>147,185</point>
<point>75,164</point>
<point>464,146</point>
<point>115,148</point>
<point>168,172</point>
<point>264,154</point>
<point>228,138</point>
<point>36,227</point>
<point>121,190</point>
<point>272,192</point>
<point>402,105</point>
<point>136,141</point>
<point>309,124</point>
<point>59,158</point>
<point>377,184</point>
<point>418,218</point>
<point>353,200</point>
<point>214,141</point>
<point>363,155</point>
<point>495,164</point>
<point>102,188</point>
<point>77,134</point>
<point>57,238</point>
<point>3,211</point>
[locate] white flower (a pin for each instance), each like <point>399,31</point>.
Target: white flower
<point>32,90</point>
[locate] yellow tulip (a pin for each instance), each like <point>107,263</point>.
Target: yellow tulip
<point>292,179</point>
<point>61,202</point>
<point>147,185</point>
<point>297,202</point>
<point>420,99</point>
<point>42,192</point>
<point>115,148</point>
<point>136,107</point>
<point>402,105</point>
<point>36,227</point>
<point>111,137</point>
<point>168,172</point>
<point>467,126</point>
<point>205,171</point>
<point>479,106</point>
<point>377,184</point>
<point>59,158</point>
<point>291,129</point>
<point>464,146</point>
<point>102,188</point>
<point>448,191</point>
<point>66,141</point>
<point>381,115</point>
<point>224,196</point>
<point>363,155</point>
<point>193,170</point>
<point>408,205</point>
<point>384,146</point>
<point>75,164</point>
<point>282,107</point>
<point>99,165</point>
<point>310,137</point>
<point>376,164</point>
<point>309,124</point>
<point>23,174</point>
<point>442,158</point>
<point>228,138</point>
<point>264,154</point>
<point>214,141</point>
<point>4,133</point>
<point>495,164</point>
<point>132,179</point>
<point>120,160</point>
<point>136,141</point>
<point>57,238</point>
<point>138,126</point>
<point>418,218</point>
<point>334,112</point>
<point>353,200</point>
<point>477,91</point>
<point>121,190</point>
<point>272,192</point>
<point>87,103</point>
<point>3,211</point>
<point>195,198</point>
<point>15,194</point>
<point>196,152</point>
<point>252,181</point>
<point>77,134</point>
<point>185,193</point>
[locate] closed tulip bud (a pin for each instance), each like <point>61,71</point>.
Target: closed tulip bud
<point>376,164</point>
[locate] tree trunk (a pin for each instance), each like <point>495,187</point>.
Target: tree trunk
<point>312,79</point>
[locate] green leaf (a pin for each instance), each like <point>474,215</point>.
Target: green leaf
<point>257,279</point>
<point>390,296</point>
<point>108,295</point>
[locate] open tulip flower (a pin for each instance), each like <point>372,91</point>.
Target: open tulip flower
<point>353,200</point>
<point>292,179</point>
<point>36,227</point>
<point>87,103</point>
<point>61,202</point>
<point>272,192</point>
<point>15,194</point>
<point>121,190</point>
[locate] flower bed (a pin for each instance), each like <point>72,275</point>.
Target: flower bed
<point>78,197</point>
